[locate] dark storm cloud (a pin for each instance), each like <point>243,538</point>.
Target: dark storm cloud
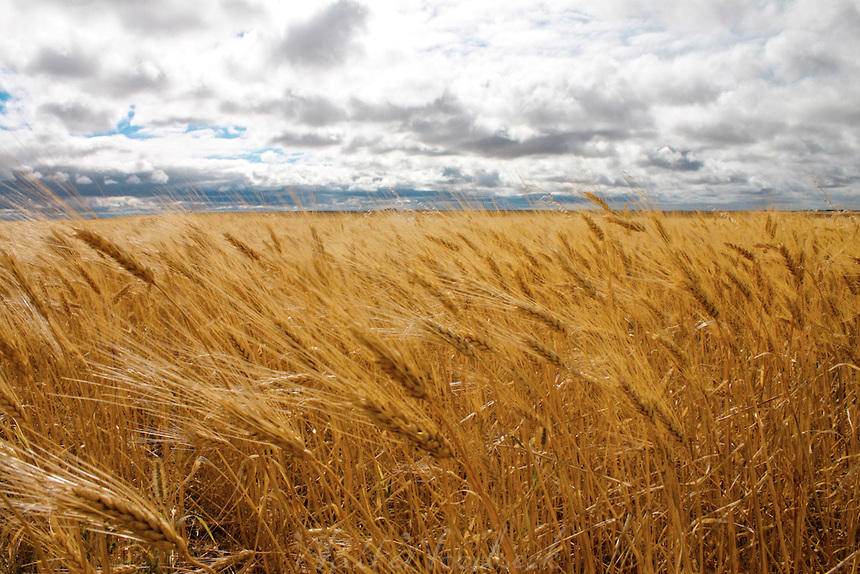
<point>480,178</point>
<point>328,38</point>
<point>380,145</point>
<point>717,180</point>
<point>445,126</point>
<point>445,106</point>
<point>736,128</point>
<point>78,117</point>
<point>445,131</point>
<point>670,158</point>
<point>811,142</point>
<point>310,110</point>
<point>65,63</point>
<point>837,177</point>
<point>441,123</point>
<point>307,139</point>
<point>140,184</point>
<point>504,147</point>
<point>579,143</point>
<point>456,175</point>
<point>488,178</point>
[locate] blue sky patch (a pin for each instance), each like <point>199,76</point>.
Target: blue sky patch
<point>4,97</point>
<point>125,128</point>
<point>219,132</point>
<point>273,155</point>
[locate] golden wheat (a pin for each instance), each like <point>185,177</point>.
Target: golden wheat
<point>610,391</point>
<point>112,250</point>
<point>421,433</point>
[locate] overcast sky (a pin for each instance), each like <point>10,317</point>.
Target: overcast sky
<point>704,103</point>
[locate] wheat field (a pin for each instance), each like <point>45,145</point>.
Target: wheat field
<point>596,391</point>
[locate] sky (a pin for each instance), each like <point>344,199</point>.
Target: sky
<point>702,104</point>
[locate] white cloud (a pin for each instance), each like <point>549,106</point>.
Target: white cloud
<point>83,180</point>
<point>133,180</point>
<point>158,176</point>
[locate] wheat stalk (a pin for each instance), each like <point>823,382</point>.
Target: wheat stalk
<point>661,229</point>
<point>88,278</point>
<point>243,248</point>
<point>423,434</point>
<point>580,279</point>
<point>10,406</point>
<point>73,558</point>
<point>20,362</point>
<point>545,317</point>
<point>459,342</point>
<point>743,251</point>
<point>598,200</point>
<point>10,262</point>
<point>55,488</point>
<point>628,224</point>
<point>393,363</point>
<point>260,424</point>
<point>115,252</point>
<point>795,265</point>
<point>545,352</point>
<point>592,226</point>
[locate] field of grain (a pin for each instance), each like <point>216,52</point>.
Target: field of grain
<point>431,392</point>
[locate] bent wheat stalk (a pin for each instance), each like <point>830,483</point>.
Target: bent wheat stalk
<point>115,252</point>
<point>424,435</point>
<point>54,488</point>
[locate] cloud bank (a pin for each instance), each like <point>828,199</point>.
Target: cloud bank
<point>705,104</point>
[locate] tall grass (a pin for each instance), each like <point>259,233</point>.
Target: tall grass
<point>417,392</point>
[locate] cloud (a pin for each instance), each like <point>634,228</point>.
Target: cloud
<point>505,147</point>
<point>145,76</point>
<point>77,116</point>
<point>65,63</point>
<point>309,109</point>
<point>456,175</point>
<point>83,180</point>
<point>480,178</point>
<point>159,177</point>
<point>126,128</point>
<point>328,38</point>
<point>162,17</point>
<point>312,110</point>
<point>670,158</point>
<point>444,106</point>
<point>710,101</point>
<point>307,139</point>
<point>587,144</point>
<point>614,104</point>
<point>731,128</point>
